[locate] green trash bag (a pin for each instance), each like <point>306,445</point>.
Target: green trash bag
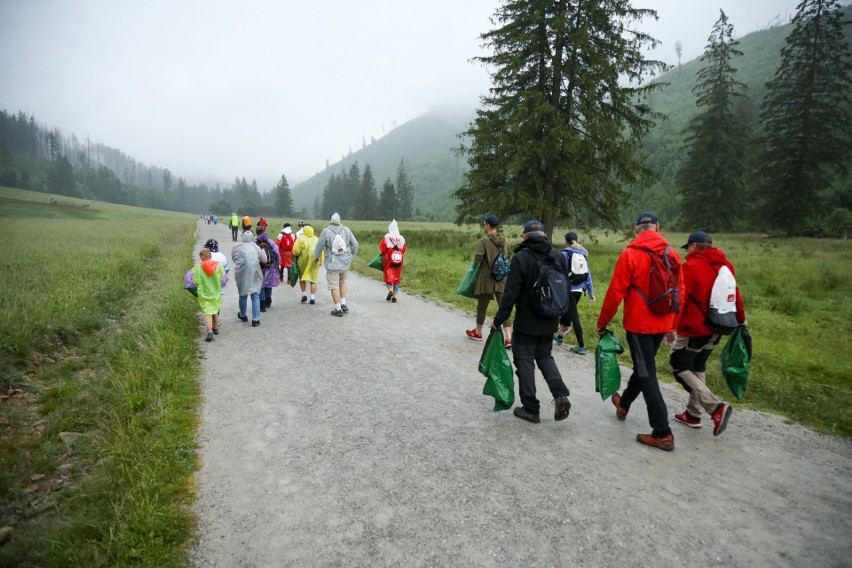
<point>376,262</point>
<point>735,359</point>
<point>468,283</point>
<point>496,366</point>
<point>293,273</point>
<point>607,371</point>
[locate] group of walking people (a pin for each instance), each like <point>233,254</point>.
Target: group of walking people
<point>683,325</point>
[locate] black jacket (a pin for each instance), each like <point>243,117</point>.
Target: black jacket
<point>523,272</point>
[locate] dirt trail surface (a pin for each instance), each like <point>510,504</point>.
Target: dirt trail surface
<point>365,441</point>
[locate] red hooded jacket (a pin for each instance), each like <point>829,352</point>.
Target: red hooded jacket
<point>699,274</point>
<point>631,272</point>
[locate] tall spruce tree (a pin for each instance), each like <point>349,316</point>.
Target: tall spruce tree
<point>712,179</point>
<point>806,119</point>
<point>365,205</point>
<point>283,198</point>
<point>388,201</point>
<point>558,134</point>
<point>404,192</point>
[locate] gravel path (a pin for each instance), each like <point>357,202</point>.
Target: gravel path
<point>365,441</point>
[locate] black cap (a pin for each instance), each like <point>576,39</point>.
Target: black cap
<point>570,236</point>
<point>647,218</point>
<point>698,237</point>
<point>491,220</point>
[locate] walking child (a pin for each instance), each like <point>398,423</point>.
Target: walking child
<point>209,277</point>
<point>392,247</point>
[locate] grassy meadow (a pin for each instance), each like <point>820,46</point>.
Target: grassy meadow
<point>99,392</point>
<point>97,339</point>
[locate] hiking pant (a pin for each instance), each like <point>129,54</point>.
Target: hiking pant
<point>643,350</point>
<point>531,350</point>
<point>482,301</point>
<point>574,314</point>
<point>688,361</point>
<point>234,233</point>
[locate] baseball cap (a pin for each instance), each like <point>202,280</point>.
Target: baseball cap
<point>647,218</point>
<point>570,236</point>
<point>532,226</point>
<point>698,237</point>
<point>491,220</point>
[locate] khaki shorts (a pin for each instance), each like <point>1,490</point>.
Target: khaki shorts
<point>336,279</point>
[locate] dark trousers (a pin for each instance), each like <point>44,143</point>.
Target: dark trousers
<point>643,351</point>
<point>575,318</point>
<point>234,233</point>
<point>527,352</point>
<point>266,297</point>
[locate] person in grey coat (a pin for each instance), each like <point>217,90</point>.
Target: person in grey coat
<point>247,257</point>
<point>338,259</point>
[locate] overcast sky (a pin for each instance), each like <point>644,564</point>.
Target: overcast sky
<point>255,88</point>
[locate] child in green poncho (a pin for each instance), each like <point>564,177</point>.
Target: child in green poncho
<point>208,277</point>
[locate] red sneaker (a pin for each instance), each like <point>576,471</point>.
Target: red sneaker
<point>508,344</point>
<point>685,418</point>
<point>720,418</point>
<point>665,443</point>
<point>471,333</point>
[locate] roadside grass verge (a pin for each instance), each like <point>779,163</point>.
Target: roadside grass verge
<point>98,351</point>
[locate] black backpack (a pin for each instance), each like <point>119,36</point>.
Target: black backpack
<point>551,294</point>
<point>271,255</point>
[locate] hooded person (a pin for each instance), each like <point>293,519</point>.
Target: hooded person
<point>247,257</point>
<point>207,277</point>
<point>234,225</point>
<point>340,247</point>
<point>285,241</point>
<point>303,250</point>
<point>392,247</point>
<point>271,277</point>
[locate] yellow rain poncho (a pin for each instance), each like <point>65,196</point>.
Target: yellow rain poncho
<point>303,250</point>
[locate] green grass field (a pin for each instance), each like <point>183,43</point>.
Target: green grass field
<point>97,338</point>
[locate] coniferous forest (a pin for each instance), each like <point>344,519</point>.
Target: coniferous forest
<point>755,135</point>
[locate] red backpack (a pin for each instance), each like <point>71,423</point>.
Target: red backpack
<point>395,257</point>
<point>661,291</point>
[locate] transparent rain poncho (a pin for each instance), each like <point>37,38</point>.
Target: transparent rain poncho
<point>247,272</point>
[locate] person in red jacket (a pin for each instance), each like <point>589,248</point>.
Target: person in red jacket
<point>392,247</point>
<point>285,242</point>
<point>695,341</point>
<point>645,329</point>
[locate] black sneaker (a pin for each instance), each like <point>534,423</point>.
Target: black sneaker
<point>241,318</point>
<point>393,300</point>
<point>525,414</point>
<point>263,308</point>
<point>313,302</point>
<point>388,297</point>
<point>209,336</point>
<point>344,308</point>
<point>563,407</point>
<point>304,299</point>
<point>338,313</point>
<point>255,323</point>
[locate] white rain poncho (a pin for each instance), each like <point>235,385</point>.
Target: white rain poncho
<point>247,272</point>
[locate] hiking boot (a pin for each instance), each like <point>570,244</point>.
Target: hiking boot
<point>304,299</point>
<point>313,301</point>
<point>525,414</point>
<point>687,419</point>
<point>620,412</point>
<point>263,308</point>
<point>255,323</point>
<point>336,312</point>
<point>471,333</point>
<point>393,300</point>
<point>209,336</point>
<point>720,418</point>
<point>558,339</point>
<point>665,443</point>
<point>215,331</point>
<point>563,407</point>
<point>344,308</point>
<point>389,296</point>
<point>578,350</point>
<point>242,318</point>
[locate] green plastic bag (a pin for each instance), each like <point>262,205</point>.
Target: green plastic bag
<point>735,359</point>
<point>376,262</point>
<point>293,273</point>
<point>496,366</point>
<point>607,371</point>
<point>468,283</point>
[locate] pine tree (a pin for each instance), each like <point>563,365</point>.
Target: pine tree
<point>405,192</point>
<point>283,198</point>
<point>559,132</point>
<point>712,179</point>
<point>365,205</point>
<point>806,118</point>
<point>388,201</point>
